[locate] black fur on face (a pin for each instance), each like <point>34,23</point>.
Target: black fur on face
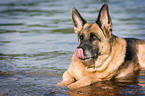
<point>90,49</point>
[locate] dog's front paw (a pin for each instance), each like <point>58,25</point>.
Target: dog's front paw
<point>60,84</point>
<point>71,86</point>
<point>91,70</point>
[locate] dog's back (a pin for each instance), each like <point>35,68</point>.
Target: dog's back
<point>135,56</point>
<point>135,51</point>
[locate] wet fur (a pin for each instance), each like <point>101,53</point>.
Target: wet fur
<point>112,56</point>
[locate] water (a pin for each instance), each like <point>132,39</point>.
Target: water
<point>37,42</point>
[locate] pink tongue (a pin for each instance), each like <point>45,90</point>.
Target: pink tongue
<point>79,53</point>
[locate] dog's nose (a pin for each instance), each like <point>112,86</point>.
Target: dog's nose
<point>79,53</point>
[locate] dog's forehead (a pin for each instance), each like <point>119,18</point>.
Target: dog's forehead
<point>91,28</point>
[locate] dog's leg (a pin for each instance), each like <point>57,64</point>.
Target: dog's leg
<point>83,82</point>
<point>67,79</point>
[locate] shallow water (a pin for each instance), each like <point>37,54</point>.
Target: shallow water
<point>37,42</point>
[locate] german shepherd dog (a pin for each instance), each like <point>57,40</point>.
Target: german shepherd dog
<point>101,55</point>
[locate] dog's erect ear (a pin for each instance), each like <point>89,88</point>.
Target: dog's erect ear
<point>78,20</point>
<point>104,20</point>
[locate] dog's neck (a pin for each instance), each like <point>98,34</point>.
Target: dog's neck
<point>90,64</point>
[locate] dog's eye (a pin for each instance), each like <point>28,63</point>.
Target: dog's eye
<point>81,37</point>
<point>93,37</point>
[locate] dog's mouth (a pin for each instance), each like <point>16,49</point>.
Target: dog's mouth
<point>86,59</point>
<point>80,55</point>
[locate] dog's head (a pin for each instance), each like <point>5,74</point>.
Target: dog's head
<point>94,39</point>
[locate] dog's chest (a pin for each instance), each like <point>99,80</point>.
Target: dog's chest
<point>79,72</point>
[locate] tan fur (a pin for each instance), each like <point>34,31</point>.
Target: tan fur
<point>112,62</point>
<point>141,55</point>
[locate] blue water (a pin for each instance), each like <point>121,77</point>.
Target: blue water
<point>37,41</point>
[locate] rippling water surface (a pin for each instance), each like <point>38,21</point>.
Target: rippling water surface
<point>37,42</point>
